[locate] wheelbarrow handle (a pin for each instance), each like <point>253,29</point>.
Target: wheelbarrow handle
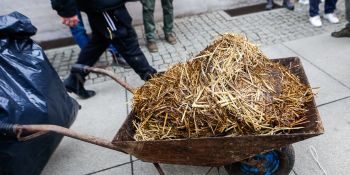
<point>7,129</point>
<point>80,68</point>
<point>38,130</point>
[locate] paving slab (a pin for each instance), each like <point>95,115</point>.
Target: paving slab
<point>121,170</point>
<point>277,51</point>
<point>195,32</point>
<point>327,88</point>
<point>100,116</point>
<point>327,53</point>
<point>144,168</point>
<point>332,148</point>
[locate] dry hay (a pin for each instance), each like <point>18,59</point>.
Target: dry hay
<point>230,88</point>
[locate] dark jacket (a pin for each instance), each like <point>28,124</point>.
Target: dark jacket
<point>68,8</point>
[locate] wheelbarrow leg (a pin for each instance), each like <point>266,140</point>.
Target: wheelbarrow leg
<point>159,169</point>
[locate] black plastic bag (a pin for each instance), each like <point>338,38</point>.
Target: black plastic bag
<point>31,92</point>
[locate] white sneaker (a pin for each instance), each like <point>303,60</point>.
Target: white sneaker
<point>304,2</point>
<point>331,17</point>
<point>316,21</point>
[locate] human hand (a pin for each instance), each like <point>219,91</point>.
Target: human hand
<point>70,21</point>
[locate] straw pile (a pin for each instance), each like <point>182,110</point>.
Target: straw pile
<point>230,88</point>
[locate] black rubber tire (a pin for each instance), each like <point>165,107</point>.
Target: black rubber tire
<point>287,159</point>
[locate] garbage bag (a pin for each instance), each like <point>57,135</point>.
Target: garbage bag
<point>31,92</point>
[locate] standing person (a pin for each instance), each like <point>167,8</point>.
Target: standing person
<point>150,28</point>
<point>345,32</point>
<point>286,3</point>
<point>329,8</point>
<point>110,24</point>
<point>81,38</point>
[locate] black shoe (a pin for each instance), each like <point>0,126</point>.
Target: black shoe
<point>74,83</point>
<point>345,32</point>
<point>118,60</point>
<point>269,5</point>
<point>288,5</point>
<point>149,75</point>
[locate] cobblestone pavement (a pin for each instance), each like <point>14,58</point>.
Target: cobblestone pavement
<point>194,33</point>
<point>49,23</point>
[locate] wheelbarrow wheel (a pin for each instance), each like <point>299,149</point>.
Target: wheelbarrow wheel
<point>277,162</point>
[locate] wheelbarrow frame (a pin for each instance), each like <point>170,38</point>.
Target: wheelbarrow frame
<point>206,151</point>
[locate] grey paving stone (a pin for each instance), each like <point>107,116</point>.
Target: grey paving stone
<point>134,80</point>
<point>144,168</point>
<point>121,170</point>
<point>332,147</point>
<point>334,58</point>
<point>98,80</point>
<point>277,51</point>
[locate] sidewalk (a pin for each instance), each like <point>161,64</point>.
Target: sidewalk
<point>281,33</point>
<point>50,27</point>
<point>195,32</point>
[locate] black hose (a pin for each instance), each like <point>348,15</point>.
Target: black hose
<point>7,129</point>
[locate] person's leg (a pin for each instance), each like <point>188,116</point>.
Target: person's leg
<point>345,32</point>
<point>148,19</point>
<point>314,8</point>
<point>315,18</point>
<point>112,50</point>
<point>329,14</point>
<point>79,33</point>
<point>149,25</point>
<point>347,9</point>
<point>128,45</point>
<point>168,16</point>
<point>329,6</point>
<point>168,19</point>
<point>88,56</point>
<point>118,60</point>
<point>288,4</point>
<point>269,5</point>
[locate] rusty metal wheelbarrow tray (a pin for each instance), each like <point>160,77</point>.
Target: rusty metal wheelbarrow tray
<point>218,151</point>
<point>207,151</point>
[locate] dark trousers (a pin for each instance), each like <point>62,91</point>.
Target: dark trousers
<point>124,38</point>
<point>329,7</point>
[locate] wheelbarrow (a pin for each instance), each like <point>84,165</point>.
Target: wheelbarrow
<point>247,154</point>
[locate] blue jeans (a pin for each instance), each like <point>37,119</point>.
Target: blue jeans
<point>81,38</point>
<point>329,7</point>
<point>79,33</point>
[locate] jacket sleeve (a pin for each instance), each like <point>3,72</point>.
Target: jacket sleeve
<point>65,8</point>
